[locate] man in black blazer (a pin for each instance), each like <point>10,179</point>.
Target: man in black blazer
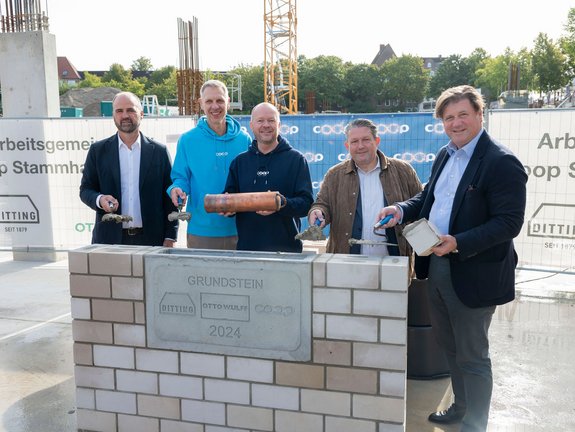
<point>128,174</point>
<point>476,197</point>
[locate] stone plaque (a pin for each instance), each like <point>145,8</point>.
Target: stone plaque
<point>253,304</point>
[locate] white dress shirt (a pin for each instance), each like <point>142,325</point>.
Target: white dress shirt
<point>448,181</point>
<point>130,181</point>
<point>371,203</point>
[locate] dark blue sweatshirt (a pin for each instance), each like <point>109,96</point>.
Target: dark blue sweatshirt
<point>284,170</point>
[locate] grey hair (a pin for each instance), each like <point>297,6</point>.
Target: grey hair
<point>214,83</point>
<point>361,122</point>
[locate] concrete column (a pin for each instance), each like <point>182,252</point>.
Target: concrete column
<point>29,74</point>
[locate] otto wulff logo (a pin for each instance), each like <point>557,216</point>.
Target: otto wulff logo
<point>552,220</point>
<point>18,209</point>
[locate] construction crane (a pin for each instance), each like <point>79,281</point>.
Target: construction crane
<point>280,57</point>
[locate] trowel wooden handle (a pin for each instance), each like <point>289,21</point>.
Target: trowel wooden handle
<point>243,202</point>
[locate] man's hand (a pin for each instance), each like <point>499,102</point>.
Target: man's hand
<point>314,216</point>
<point>265,212</point>
<point>176,193</point>
<point>108,203</point>
<point>448,244</point>
<point>389,210</point>
<point>169,243</point>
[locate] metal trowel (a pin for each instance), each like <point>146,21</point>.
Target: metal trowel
<point>180,215</point>
<point>376,227</point>
<point>313,232</point>
<point>113,217</point>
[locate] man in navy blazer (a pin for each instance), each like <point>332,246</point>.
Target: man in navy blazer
<point>127,174</point>
<point>476,197</point>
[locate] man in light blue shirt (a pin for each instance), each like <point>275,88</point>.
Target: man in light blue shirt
<point>476,197</point>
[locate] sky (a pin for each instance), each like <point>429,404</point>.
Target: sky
<point>93,34</point>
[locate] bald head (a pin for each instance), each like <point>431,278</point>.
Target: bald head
<point>265,124</point>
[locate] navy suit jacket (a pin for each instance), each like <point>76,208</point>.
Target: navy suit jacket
<point>102,176</point>
<point>488,211</point>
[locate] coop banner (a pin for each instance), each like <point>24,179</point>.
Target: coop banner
<point>41,163</point>
<point>412,137</point>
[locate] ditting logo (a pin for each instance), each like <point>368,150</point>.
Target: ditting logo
<point>553,221</point>
<point>177,304</point>
<point>18,209</point>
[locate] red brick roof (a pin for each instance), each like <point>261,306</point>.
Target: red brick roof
<point>66,70</point>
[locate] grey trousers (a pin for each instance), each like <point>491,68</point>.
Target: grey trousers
<point>462,332</point>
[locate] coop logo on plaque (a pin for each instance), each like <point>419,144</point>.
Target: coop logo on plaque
<point>177,304</point>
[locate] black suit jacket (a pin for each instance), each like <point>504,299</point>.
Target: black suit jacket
<point>488,211</point>
<point>102,176</point>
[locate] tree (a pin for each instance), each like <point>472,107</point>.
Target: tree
<point>405,81</point>
<point>143,64</point>
<point>117,73</point>
<point>567,43</point>
<point>91,81</point>
<point>492,76</point>
<point>133,86</point>
<point>452,72</point>
<point>549,64</point>
<point>63,87</point>
<point>475,61</point>
<point>165,89</point>
<point>252,85</point>
<point>160,75</point>
<point>362,88</point>
<point>325,77</point>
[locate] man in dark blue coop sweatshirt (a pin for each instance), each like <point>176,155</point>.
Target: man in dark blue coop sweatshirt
<point>270,164</point>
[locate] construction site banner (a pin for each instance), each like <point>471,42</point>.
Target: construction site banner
<point>412,137</point>
<point>41,164</point>
<point>544,140</point>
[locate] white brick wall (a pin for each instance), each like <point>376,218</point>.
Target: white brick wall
<point>359,329</point>
<point>280,397</point>
<point>332,300</point>
<point>113,356</point>
<point>116,401</point>
<point>157,361</point>
<point>204,412</point>
<point>227,391</point>
<point>297,421</point>
<point>380,303</point>
<point>351,328</point>
<point>203,365</point>
<point>248,369</point>
<point>181,386</point>
<point>128,423</point>
<point>129,334</point>
<point>135,381</point>
<point>80,308</point>
<point>87,376</point>
<point>325,402</point>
